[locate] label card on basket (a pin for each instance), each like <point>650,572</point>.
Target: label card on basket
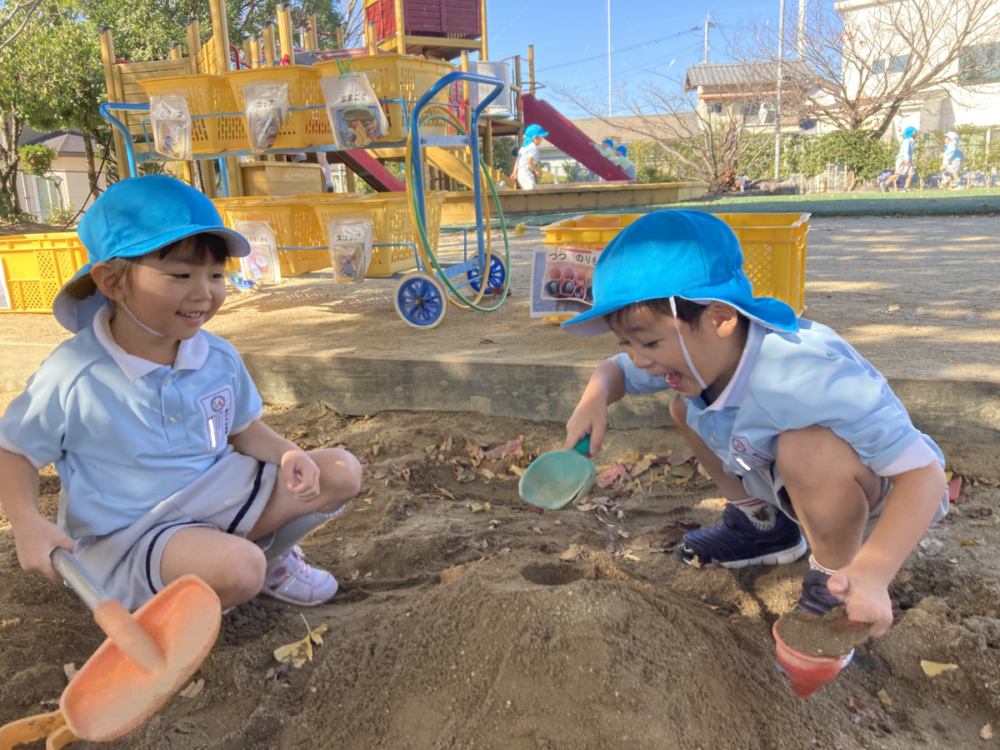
<point>561,281</point>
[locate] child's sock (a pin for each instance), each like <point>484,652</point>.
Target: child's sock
<point>813,565</point>
<point>762,515</point>
<point>280,542</point>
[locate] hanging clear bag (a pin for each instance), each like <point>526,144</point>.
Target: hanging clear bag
<point>266,109</point>
<point>262,265</point>
<point>356,117</point>
<point>171,120</point>
<point>350,249</point>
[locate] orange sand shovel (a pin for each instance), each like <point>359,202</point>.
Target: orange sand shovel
<point>146,658</point>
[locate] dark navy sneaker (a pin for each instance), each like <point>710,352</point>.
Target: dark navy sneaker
<point>737,543</point>
<point>816,597</point>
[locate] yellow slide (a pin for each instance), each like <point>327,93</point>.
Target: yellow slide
<point>454,163</point>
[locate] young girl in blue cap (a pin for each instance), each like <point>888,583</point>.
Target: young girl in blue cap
<point>154,425</point>
<point>797,430</point>
<point>526,169</point>
<point>904,162</point>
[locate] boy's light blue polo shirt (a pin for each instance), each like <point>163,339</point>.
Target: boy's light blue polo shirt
<point>123,432</point>
<point>788,381</point>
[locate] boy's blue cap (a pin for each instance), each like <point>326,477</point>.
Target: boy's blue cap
<point>131,218</point>
<point>534,130</point>
<point>909,132</point>
<point>608,142</point>
<point>622,150</point>
<point>676,253</point>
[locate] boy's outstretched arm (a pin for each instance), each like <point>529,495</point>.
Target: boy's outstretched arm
<point>590,417</point>
<point>301,474</point>
<point>34,535</point>
<point>909,509</point>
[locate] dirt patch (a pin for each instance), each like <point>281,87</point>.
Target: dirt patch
<point>464,629</point>
<point>830,635</point>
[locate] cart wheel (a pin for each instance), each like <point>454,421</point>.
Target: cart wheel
<point>498,272</point>
<point>420,300</point>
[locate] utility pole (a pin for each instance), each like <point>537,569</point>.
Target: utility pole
<point>777,118</point>
<point>708,22</point>
<point>609,58</point>
<point>802,28</point>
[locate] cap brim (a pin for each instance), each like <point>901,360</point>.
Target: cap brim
<point>769,312</point>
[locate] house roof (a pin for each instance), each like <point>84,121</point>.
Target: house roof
<point>623,129</point>
<point>65,142</point>
<point>743,74</point>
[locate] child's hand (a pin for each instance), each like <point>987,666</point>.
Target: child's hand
<point>301,475</point>
<point>589,418</point>
<point>35,541</point>
<point>866,599</point>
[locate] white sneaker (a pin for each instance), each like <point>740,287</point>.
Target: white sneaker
<point>290,579</point>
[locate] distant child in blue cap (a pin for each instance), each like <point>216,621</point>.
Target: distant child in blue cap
<point>154,424</point>
<point>627,165</point>
<point>797,430</point>
<point>904,162</point>
<point>526,169</point>
<point>607,150</point>
<point>951,160</point>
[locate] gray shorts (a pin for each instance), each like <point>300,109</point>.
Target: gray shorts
<point>768,485</point>
<point>904,168</point>
<point>230,497</point>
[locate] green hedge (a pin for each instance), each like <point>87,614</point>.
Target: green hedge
<point>861,151</point>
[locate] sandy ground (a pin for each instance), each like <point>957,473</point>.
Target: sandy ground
<point>916,296</point>
<point>461,626</point>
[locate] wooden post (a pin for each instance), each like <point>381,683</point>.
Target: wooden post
<point>247,50</point>
<point>467,120</point>
<point>370,39</point>
<point>400,30</point>
<point>267,32</point>
<point>488,144</point>
<point>193,29</point>
<point>220,31</point>
<point>352,185</point>
<point>286,39</point>
<point>517,85</point>
<point>340,37</point>
<point>255,51</point>
<point>176,53</point>
<point>484,53</point>
<point>531,69</point>
<point>313,32</point>
<point>108,60</point>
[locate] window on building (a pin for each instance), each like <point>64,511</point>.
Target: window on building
<point>878,67</point>
<point>892,65</point>
<point>715,108</point>
<point>980,63</point>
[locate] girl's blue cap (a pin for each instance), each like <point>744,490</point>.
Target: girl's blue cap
<point>622,150</point>
<point>608,142</point>
<point>534,130</point>
<point>131,218</point>
<point>676,253</point>
<point>909,132</point>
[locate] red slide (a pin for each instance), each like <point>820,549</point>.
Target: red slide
<point>369,169</point>
<point>569,139</point>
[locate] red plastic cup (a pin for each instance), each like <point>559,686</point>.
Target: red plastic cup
<point>807,673</point>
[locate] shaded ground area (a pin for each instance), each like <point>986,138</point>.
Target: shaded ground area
<point>460,625</point>
<point>8,229</point>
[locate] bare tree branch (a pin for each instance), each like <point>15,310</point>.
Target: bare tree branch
<point>353,13</point>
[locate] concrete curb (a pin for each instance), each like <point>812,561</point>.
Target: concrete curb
<point>952,410</point>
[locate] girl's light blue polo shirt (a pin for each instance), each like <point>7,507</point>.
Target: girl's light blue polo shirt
<point>787,381</point>
<point>123,432</point>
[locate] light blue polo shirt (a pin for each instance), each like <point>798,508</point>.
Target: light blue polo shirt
<point>123,432</point>
<point>787,381</point>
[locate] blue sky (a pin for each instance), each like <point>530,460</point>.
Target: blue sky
<point>565,32</point>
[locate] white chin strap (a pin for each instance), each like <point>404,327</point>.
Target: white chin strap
<point>157,333</point>
<point>687,357</point>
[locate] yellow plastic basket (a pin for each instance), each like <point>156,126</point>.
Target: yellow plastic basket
<point>774,247</point>
<point>36,266</point>
<point>294,225</point>
<point>308,127</point>
<point>206,95</point>
<point>399,77</point>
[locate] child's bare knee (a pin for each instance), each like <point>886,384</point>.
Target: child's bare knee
<point>340,474</point>
<point>245,576</point>
<point>678,410</point>
<point>807,452</point>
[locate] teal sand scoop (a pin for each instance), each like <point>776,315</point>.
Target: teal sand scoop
<point>560,478</point>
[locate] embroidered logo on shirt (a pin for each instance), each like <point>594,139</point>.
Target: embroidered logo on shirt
<point>218,408</point>
<point>745,454</point>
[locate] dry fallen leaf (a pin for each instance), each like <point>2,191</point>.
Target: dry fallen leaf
<point>517,470</point>
<point>862,709</point>
<point>970,542</point>
<point>684,470</point>
<point>484,508</point>
<point>986,732</point>
<point>536,529</point>
<point>465,475</point>
<point>682,480</point>
<point>571,554</point>
<point>70,670</point>
<point>695,563</point>
<point>301,651</point>
<point>375,449</point>
<point>642,466</point>
<point>933,668</point>
<point>884,697</point>
<point>446,493</point>
<point>446,446</point>
<point>355,574</point>
<point>487,473</point>
<point>609,477</point>
<point>192,690</point>
<point>512,446</point>
<point>680,457</point>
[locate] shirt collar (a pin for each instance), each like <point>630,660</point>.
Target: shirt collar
<point>736,390</point>
<point>191,354</point>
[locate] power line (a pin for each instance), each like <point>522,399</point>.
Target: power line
<point>618,51</point>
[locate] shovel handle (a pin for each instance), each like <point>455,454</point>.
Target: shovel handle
<point>88,589</point>
<point>583,447</point>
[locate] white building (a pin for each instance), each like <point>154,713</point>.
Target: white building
<point>973,100</point>
<point>66,188</point>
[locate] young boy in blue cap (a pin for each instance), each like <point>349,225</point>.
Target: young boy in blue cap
<point>904,162</point>
<point>526,168</point>
<point>154,425</point>
<point>794,426</point>
<point>627,165</point>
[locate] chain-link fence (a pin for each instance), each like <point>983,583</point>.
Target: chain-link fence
<point>56,198</point>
